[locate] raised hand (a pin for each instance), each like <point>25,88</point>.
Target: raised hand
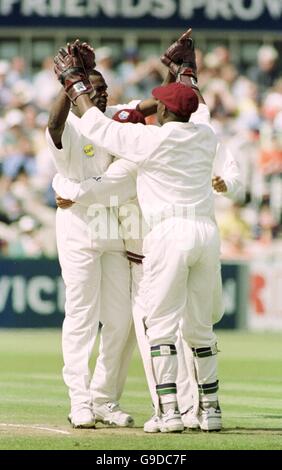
<point>175,51</point>
<point>88,55</point>
<point>62,62</point>
<point>71,72</point>
<point>180,59</point>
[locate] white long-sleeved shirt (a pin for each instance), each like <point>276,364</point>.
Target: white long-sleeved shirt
<point>174,161</point>
<point>120,179</point>
<point>80,157</point>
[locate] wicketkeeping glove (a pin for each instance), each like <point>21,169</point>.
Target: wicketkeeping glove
<point>87,55</point>
<point>187,72</point>
<point>176,51</point>
<point>71,72</point>
<point>180,57</point>
<point>181,51</point>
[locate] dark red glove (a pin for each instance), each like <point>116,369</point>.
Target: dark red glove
<point>87,55</point>
<point>175,52</point>
<point>71,73</point>
<point>189,59</point>
<point>181,52</point>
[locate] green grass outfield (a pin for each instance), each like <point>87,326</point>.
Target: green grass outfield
<point>34,402</point>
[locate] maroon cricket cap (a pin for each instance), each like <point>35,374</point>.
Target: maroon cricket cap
<point>129,115</point>
<point>178,98</point>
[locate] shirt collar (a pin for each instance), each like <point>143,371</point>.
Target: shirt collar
<point>178,124</point>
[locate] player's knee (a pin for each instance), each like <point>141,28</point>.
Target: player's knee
<point>163,350</point>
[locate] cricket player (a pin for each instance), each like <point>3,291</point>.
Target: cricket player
<point>120,180</point>
<point>94,268</point>
<point>175,194</point>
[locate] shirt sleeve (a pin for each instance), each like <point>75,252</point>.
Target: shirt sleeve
<point>202,115</point>
<point>60,156</point>
<point>65,187</point>
<point>112,110</point>
<point>133,142</point>
<point>227,167</point>
<point>115,187</point>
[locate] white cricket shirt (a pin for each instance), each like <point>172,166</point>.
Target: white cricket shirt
<point>80,158</point>
<point>174,161</point>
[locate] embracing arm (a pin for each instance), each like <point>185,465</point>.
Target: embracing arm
<point>119,182</point>
<point>149,106</point>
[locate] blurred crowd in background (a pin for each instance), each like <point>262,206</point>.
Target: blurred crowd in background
<point>246,109</point>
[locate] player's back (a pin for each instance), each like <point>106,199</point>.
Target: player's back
<point>178,173</point>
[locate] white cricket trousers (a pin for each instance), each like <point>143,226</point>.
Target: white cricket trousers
<point>96,276</point>
<point>181,258</point>
<point>187,387</point>
<point>184,386</point>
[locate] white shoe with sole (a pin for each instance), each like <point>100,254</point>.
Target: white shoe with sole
<point>110,413</point>
<point>153,424</point>
<point>171,421</point>
<point>82,418</point>
<point>210,416</point>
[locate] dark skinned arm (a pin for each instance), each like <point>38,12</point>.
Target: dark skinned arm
<point>200,97</point>
<point>57,118</point>
<point>84,103</point>
<point>149,106</point>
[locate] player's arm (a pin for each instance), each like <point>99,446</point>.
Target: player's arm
<point>119,181</point>
<point>132,142</point>
<point>65,67</point>
<point>180,59</point>
<point>57,118</point>
<point>174,52</point>
<point>149,106</point>
<point>117,139</point>
<point>227,178</point>
<point>172,58</point>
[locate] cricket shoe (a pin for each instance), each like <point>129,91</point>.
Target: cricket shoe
<point>153,424</point>
<point>190,420</point>
<point>82,418</point>
<point>110,413</point>
<point>210,416</point>
<point>171,421</point>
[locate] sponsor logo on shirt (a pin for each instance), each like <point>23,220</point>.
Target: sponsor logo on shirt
<point>89,150</point>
